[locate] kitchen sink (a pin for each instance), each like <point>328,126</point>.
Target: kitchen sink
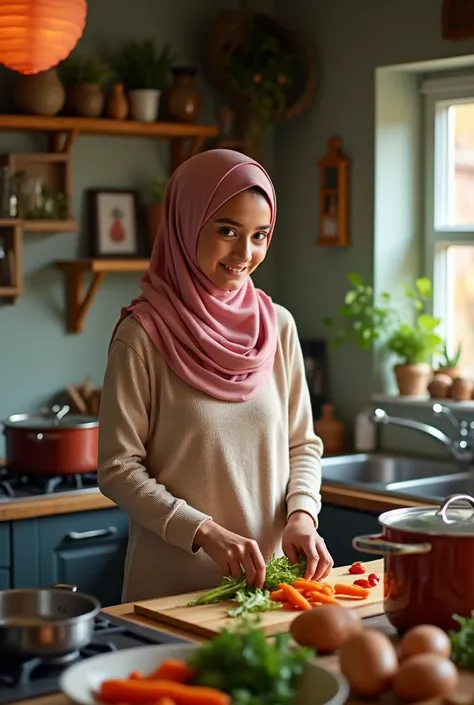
<point>436,488</point>
<point>382,469</point>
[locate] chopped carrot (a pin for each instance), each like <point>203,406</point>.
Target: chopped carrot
<point>278,595</point>
<point>165,701</point>
<point>295,597</point>
<point>307,585</point>
<point>324,599</point>
<point>150,691</point>
<point>328,589</point>
<point>136,675</point>
<point>352,590</point>
<point>313,603</point>
<point>173,670</point>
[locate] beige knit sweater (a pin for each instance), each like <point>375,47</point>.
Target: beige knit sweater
<point>171,457</point>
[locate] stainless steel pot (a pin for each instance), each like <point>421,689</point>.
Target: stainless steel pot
<point>50,622</point>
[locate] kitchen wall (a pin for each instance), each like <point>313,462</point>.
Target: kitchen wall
<point>37,357</point>
<point>352,40</point>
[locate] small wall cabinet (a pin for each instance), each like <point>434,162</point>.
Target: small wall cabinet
<point>333,197</point>
<point>11,264</point>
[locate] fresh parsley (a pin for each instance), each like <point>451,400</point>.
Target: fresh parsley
<point>462,642</point>
<point>252,670</point>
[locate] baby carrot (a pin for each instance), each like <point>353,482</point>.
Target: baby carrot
<point>295,597</point>
<point>323,598</point>
<point>173,670</point>
<point>351,590</point>
<point>165,701</point>
<point>147,691</point>
<point>308,585</point>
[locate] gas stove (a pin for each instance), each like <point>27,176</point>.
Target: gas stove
<point>23,486</point>
<point>37,676</point>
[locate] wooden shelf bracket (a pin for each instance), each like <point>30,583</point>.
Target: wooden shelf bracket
<point>78,303</point>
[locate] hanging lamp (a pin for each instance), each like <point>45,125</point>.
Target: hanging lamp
<point>36,35</point>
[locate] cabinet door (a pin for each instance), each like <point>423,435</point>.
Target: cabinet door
<point>86,549</point>
<point>339,525</point>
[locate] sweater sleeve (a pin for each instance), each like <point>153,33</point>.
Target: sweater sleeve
<point>122,472</point>
<point>304,487</point>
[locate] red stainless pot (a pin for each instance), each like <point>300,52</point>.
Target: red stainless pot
<point>428,563</point>
<point>53,443</point>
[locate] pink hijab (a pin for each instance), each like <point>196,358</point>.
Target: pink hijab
<point>220,342</point>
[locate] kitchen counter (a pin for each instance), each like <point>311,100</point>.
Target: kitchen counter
<point>125,611</point>
<point>89,499</point>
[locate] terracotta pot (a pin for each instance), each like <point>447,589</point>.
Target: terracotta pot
<point>426,555</point>
<point>85,100</point>
<point>184,100</point>
<point>51,443</point>
<point>155,214</point>
<point>40,94</point>
<point>452,372</point>
<point>413,379</point>
<point>117,104</point>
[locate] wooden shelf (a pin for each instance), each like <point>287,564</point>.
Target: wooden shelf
<point>50,226</point>
<point>78,302</point>
<point>71,127</point>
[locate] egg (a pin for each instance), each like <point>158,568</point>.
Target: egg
<point>369,662</point>
<point>425,676</point>
<point>325,628</point>
<point>425,639</point>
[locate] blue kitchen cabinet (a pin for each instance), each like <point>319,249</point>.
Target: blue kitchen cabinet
<point>86,549</point>
<point>339,525</point>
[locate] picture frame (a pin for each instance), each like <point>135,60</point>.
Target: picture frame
<point>115,223</point>
<point>315,362</point>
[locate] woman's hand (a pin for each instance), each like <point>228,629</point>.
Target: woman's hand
<point>232,552</point>
<point>300,537</point>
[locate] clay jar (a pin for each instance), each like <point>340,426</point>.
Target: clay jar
<point>184,100</point>
<point>330,430</point>
<point>40,94</point>
<point>85,100</point>
<point>117,103</point>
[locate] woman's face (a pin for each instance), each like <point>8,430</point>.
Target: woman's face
<point>234,241</point>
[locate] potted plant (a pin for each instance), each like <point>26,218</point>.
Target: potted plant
<point>83,77</point>
<point>144,71</point>
<point>406,330</point>
<point>155,208</point>
<point>449,364</point>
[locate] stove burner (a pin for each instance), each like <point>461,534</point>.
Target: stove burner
<point>20,485</point>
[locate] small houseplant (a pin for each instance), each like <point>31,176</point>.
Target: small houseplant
<point>83,77</point>
<point>144,71</point>
<point>403,328</point>
<point>449,364</point>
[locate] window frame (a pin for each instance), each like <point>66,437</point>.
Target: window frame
<point>438,93</point>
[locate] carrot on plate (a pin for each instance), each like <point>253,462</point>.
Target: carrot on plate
<point>294,596</point>
<point>351,590</point>
<point>172,669</point>
<point>143,692</point>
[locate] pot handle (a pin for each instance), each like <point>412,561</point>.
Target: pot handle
<point>442,512</point>
<point>377,544</point>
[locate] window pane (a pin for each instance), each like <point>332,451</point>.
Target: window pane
<point>460,303</point>
<point>460,164</point>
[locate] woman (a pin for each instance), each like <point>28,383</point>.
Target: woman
<point>206,434</point>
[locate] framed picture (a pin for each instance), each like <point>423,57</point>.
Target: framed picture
<point>314,354</point>
<point>114,215</point>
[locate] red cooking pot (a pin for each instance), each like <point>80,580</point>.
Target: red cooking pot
<point>52,443</point>
<point>428,562</point>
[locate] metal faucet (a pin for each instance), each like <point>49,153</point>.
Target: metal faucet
<point>461,447</point>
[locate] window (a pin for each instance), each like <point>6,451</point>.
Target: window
<point>449,105</point>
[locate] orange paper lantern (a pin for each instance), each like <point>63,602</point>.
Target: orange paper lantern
<point>36,35</point>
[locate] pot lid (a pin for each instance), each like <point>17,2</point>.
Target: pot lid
<point>57,417</point>
<point>454,517</point>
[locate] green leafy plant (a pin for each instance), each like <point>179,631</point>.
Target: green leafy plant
<point>260,70</point>
<point>142,67</point>
<point>462,642</point>
<point>403,327</point>
<point>78,69</point>
<point>448,360</point>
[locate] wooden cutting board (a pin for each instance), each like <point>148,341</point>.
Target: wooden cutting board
<point>208,620</point>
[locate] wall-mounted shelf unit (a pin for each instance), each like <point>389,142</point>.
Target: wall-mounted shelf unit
<point>11,269</point>
<point>185,139</point>
<point>78,302</point>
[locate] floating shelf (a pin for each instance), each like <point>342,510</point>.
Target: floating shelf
<point>78,302</point>
<point>50,226</point>
<point>64,130</point>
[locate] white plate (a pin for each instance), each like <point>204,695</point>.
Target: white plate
<point>79,682</point>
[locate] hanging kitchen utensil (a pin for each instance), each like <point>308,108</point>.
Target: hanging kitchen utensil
<point>53,442</point>
<point>428,562</point>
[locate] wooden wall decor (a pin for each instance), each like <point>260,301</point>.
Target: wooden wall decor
<point>333,219</point>
<point>457,19</point>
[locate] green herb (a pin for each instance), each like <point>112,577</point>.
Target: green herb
<point>252,601</point>
<point>250,669</point>
<point>279,570</point>
<point>462,642</point>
